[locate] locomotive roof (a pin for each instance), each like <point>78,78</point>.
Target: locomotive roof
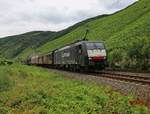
<point>76,43</point>
<point>65,47</point>
<point>80,42</point>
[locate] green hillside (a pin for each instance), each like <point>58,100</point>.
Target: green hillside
<point>12,46</point>
<point>126,35</point>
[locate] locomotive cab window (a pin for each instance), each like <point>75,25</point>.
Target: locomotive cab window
<point>94,46</point>
<point>79,48</point>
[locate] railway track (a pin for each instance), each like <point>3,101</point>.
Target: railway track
<point>138,78</point>
<point>122,76</point>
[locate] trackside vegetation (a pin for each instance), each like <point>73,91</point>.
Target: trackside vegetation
<point>32,90</point>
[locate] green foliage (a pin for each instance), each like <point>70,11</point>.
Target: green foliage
<point>4,61</point>
<point>139,110</point>
<point>140,52</point>
<point>40,91</point>
<point>5,82</point>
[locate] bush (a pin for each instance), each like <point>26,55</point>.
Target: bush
<point>139,54</point>
<point>5,81</point>
<point>5,62</point>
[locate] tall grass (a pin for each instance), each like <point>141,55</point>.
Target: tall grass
<point>5,82</point>
<point>39,91</point>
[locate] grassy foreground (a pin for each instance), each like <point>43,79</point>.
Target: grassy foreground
<point>31,90</point>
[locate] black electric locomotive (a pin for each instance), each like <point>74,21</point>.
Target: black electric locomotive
<point>81,55</point>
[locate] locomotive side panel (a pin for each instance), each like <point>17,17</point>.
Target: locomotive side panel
<point>57,58</point>
<point>75,55</point>
<point>66,56</point>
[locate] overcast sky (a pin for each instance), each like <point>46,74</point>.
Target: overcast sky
<point>19,16</point>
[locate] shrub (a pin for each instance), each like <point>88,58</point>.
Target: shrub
<point>5,62</point>
<point>5,81</point>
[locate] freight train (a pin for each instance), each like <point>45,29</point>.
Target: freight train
<point>81,55</point>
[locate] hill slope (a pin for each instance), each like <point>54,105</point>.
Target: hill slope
<point>11,46</point>
<point>126,34</point>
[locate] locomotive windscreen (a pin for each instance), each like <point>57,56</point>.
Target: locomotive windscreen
<point>94,46</point>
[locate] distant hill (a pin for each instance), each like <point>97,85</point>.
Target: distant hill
<point>11,46</point>
<point>125,33</point>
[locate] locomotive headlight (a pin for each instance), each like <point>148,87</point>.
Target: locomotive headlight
<point>90,58</point>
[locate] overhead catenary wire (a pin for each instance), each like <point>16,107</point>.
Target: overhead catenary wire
<point>88,30</point>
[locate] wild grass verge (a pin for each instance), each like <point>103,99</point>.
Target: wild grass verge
<point>38,91</point>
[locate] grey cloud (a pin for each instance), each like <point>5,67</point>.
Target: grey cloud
<point>27,15</point>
